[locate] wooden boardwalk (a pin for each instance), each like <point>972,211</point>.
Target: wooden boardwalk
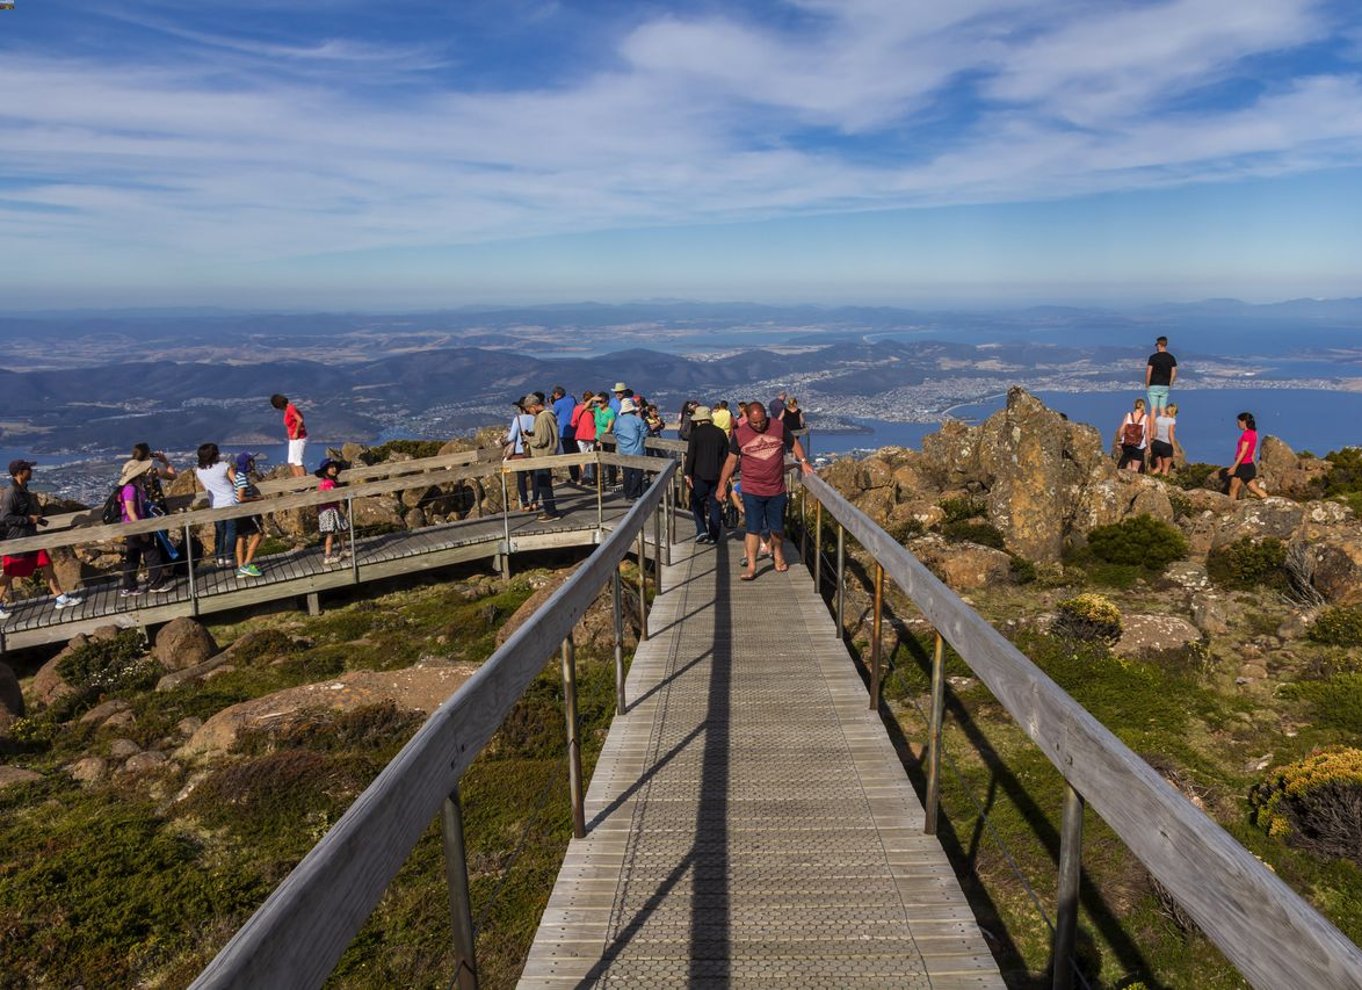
<point>299,573</point>
<point>749,823</point>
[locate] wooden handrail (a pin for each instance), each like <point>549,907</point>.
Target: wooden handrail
<point>299,933</point>
<point>1266,930</point>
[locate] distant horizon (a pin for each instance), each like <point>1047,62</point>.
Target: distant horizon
<point>316,157</point>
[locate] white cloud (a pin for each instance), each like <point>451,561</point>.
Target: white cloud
<point>225,159</point>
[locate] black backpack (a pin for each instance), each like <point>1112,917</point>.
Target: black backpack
<point>113,506</point>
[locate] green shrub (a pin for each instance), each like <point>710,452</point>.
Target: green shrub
<point>1193,475</point>
<point>1248,563</point>
<point>961,509</point>
<point>414,448</point>
<point>985,534</point>
<point>1141,540</point>
<point>1335,702</point>
<point>1023,570</point>
<point>1345,471</point>
<point>1089,617</point>
<point>104,666</point>
<point>1315,803</point>
<point>902,531</point>
<point>1338,625</point>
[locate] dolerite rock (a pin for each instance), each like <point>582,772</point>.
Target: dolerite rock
<point>71,571</point>
<point>184,483</point>
<point>420,688</point>
<point>377,511</point>
<point>183,643</point>
<point>1037,465</point>
<point>11,698</point>
<point>49,685</point>
<point>962,566</point>
<point>1338,569</point>
<point>1282,472</point>
<point>9,776</point>
<point>1145,634</point>
<point>103,712</point>
<point>1258,519</point>
<point>89,770</point>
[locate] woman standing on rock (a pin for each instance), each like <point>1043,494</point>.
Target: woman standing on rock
<point>1133,436</point>
<point>1161,450</point>
<point>1243,472</point>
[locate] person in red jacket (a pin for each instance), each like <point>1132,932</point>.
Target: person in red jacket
<point>297,433</point>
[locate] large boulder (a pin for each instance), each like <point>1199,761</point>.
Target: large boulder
<point>9,776</point>
<point>1338,569</point>
<point>183,643</point>
<point>1257,519</point>
<point>962,566</point>
<point>48,685</point>
<point>1145,634</point>
<point>1282,472</point>
<point>377,510</point>
<point>420,688</point>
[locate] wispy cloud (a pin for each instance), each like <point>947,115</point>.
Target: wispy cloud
<point>275,144</point>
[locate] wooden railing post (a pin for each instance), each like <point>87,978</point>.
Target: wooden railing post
<point>573,739</point>
<point>460,907</point>
<point>657,550</point>
<point>642,588</point>
<point>818,548</point>
<point>934,735</point>
<point>875,640</point>
<point>803,525</point>
<point>841,579</point>
<point>1070,875</point>
<point>600,491</point>
<point>617,596</point>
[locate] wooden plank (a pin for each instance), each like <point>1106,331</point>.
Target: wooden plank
<point>1268,931</point>
<point>299,933</point>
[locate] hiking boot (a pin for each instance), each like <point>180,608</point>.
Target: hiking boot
<point>548,516</point>
<point>65,601</point>
<point>248,570</point>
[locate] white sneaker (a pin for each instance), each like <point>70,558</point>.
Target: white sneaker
<point>65,601</point>
<point>330,561</point>
<point>4,613</point>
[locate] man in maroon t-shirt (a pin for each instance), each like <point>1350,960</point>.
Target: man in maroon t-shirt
<point>759,443</point>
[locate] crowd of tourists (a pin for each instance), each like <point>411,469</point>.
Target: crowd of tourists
<point>1147,435</point>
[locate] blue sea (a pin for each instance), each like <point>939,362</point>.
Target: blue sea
<point>1307,419</point>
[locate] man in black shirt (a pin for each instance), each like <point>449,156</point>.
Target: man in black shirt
<point>706,452</point>
<point>20,517</point>
<point>1159,375</point>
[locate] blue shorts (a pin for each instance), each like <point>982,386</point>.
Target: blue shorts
<point>765,513</point>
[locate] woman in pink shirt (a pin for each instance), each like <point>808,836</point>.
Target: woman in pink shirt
<point>1243,472</point>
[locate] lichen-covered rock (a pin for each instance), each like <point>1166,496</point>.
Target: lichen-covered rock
<point>1212,614</point>
<point>419,688</point>
<point>962,566</point>
<point>1256,519</point>
<point>1282,472</point>
<point>183,643</point>
<point>1145,634</point>
<point>90,770</point>
<point>48,685</point>
<point>377,510</point>
<point>1338,569</point>
<point>101,713</point>
<point>1188,574</point>
<point>9,776</point>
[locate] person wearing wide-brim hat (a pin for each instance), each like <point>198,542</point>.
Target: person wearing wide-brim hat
<point>140,548</point>
<point>706,451</point>
<point>22,515</point>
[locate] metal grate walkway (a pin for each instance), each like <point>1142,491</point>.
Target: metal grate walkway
<point>749,823</point>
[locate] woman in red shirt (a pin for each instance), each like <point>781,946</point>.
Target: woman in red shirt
<point>1243,472</point>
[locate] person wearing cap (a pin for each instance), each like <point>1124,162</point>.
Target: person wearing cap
<point>249,529</point>
<point>706,451</point>
<point>330,516</point>
<point>21,515</point>
<point>563,407</point>
<point>140,548</point>
<point>522,424</point>
<point>542,442</point>
<point>758,444</point>
<point>630,434</point>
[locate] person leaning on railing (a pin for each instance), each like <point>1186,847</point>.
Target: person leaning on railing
<point>21,515</point>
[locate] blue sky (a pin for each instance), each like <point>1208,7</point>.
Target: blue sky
<point>402,155</point>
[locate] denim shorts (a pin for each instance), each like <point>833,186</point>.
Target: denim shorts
<point>765,513</point>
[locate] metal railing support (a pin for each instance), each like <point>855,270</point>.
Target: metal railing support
<point>670,522</point>
<point>505,527</point>
<point>642,589</point>
<point>875,638</point>
<point>617,596</point>
<point>460,907</point>
<point>573,739</point>
<point>600,492</point>
<point>841,578</point>
<point>657,550</point>
<point>934,735</point>
<point>818,548</point>
<point>1070,875</point>
<point>803,525</point>
<point>189,562</point>
<point>354,544</point>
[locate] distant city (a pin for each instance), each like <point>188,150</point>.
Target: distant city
<point>177,379</point>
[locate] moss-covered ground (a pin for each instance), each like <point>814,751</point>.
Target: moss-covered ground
<point>1188,716</point>
<point>138,880</point>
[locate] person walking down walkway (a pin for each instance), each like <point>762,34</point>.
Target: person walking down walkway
<point>135,495</point>
<point>297,433</point>
<point>706,452</point>
<point>630,436</point>
<point>542,442</point>
<point>1159,375</point>
<point>1243,473</point>
<point>758,446</point>
<point>20,517</point>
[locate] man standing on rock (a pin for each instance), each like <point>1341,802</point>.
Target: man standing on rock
<point>706,451</point>
<point>20,517</point>
<point>542,442</point>
<point>1159,375</point>
<point>758,443</point>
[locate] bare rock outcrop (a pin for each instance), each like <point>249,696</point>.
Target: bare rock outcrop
<point>1145,634</point>
<point>962,566</point>
<point>1283,472</point>
<point>421,688</point>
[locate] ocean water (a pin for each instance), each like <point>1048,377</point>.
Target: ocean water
<point>1307,419</point>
